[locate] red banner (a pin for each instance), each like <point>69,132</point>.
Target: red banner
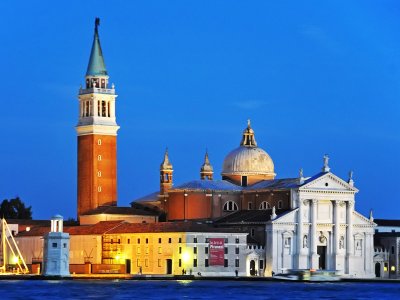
<point>217,250</point>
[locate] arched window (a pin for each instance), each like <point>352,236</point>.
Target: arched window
<point>230,206</point>
<point>279,204</point>
<point>264,205</point>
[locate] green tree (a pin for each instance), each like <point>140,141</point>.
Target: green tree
<point>15,209</point>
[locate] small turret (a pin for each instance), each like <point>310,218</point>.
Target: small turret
<point>166,171</point>
<point>206,171</point>
<point>248,139</point>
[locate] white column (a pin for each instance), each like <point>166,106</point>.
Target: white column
<point>314,254</point>
<point>349,244</point>
<point>95,107</point>
<point>335,245</point>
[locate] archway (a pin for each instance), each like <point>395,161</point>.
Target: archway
<point>378,269</point>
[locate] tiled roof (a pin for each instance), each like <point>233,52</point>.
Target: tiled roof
<point>205,185</point>
<point>148,198</point>
<point>118,210</point>
<point>277,184</point>
<point>119,227</point>
<point>385,222</point>
<point>249,216</point>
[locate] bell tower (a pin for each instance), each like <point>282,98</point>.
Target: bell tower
<point>206,170</point>
<point>97,135</point>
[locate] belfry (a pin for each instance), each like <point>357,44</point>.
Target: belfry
<point>97,135</point>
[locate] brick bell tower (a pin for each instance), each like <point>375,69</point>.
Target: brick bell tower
<point>97,135</point>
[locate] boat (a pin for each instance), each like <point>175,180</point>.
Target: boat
<point>309,275</point>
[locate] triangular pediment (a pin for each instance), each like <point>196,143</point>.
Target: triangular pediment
<point>359,219</point>
<point>328,182</point>
<point>287,217</point>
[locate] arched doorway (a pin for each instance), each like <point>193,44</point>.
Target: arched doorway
<point>378,269</point>
<point>253,271</point>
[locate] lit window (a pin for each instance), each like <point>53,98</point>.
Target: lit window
<point>99,157</point>
<point>99,189</point>
<point>159,250</point>
<point>138,262</point>
<point>98,173</point>
<point>147,250</point>
<point>138,250</point>
<point>230,206</point>
<point>159,263</point>
<point>146,262</point>
<point>99,142</point>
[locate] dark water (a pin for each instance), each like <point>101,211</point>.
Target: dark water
<point>32,289</point>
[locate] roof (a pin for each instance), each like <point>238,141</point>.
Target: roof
<point>386,222</point>
<point>386,234</point>
<point>120,227</point>
<point>283,184</point>
<point>250,216</point>
<point>119,210</point>
<point>96,66</point>
<point>205,185</point>
<point>148,198</point>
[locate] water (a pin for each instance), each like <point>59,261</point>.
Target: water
<point>85,289</point>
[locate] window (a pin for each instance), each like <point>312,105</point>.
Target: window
<point>392,249</point>
<point>138,262</point>
<point>180,250</point>
<point>226,240</point>
<point>279,204</point>
<point>108,109</point>
<point>261,264</point>
<point>207,240</point>
<point>194,250</point>
<point>99,157</point>
<point>250,205</point>
<point>226,250</point>
<point>98,108</point>
<point>237,240</point>
<point>230,206</point>
<point>225,263</point>
<point>237,262</point>
<point>195,240</point>
<point>206,262</point>
<point>159,240</point>
<point>180,240</point>
<point>65,245</point>
<point>119,241</point>
<point>180,263</point>
<point>147,241</point>
<point>195,262</point>
<point>129,241</point>
<point>237,250</point>
<point>252,232</point>
<point>99,189</point>
<point>264,205</point>
<point>147,250</point>
<point>244,180</point>
<point>169,240</point>
<point>99,142</point>
<point>206,250</point>
<point>54,245</point>
<point>138,241</point>
<point>146,262</point>
<point>138,250</point>
<point>159,263</point>
<point>159,250</point>
<point>103,108</point>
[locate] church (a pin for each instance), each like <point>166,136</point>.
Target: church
<point>301,223</point>
<point>249,222</point>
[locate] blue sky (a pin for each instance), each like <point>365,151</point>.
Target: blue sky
<point>314,77</point>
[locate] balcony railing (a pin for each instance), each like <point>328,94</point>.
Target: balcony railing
<point>97,90</point>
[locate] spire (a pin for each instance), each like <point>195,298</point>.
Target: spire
<point>371,217</point>
<point>301,176</point>
<point>326,168</point>
<point>166,164</point>
<point>248,139</point>
<point>206,171</point>
<point>96,65</point>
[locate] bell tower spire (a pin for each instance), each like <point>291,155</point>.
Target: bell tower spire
<point>97,135</point>
<point>166,171</point>
<point>206,171</point>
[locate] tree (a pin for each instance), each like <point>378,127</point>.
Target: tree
<point>15,209</point>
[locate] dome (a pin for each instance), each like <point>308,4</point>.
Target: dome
<point>248,161</point>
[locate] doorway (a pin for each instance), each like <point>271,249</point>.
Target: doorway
<point>378,269</point>
<point>128,266</point>
<point>252,268</point>
<point>169,266</point>
<point>321,251</point>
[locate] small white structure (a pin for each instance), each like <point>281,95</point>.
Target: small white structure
<point>56,250</point>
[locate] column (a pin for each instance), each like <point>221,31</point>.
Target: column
<point>349,234</point>
<point>300,234</point>
<point>95,107</point>
<point>314,254</point>
<point>336,227</point>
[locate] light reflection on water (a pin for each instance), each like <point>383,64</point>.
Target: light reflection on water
<point>121,289</point>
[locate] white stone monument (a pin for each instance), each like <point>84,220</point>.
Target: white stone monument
<point>56,250</point>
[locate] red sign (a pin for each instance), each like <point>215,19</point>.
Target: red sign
<point>217,250</point>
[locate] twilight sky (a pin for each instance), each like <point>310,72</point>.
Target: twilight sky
<point>314,77</point>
